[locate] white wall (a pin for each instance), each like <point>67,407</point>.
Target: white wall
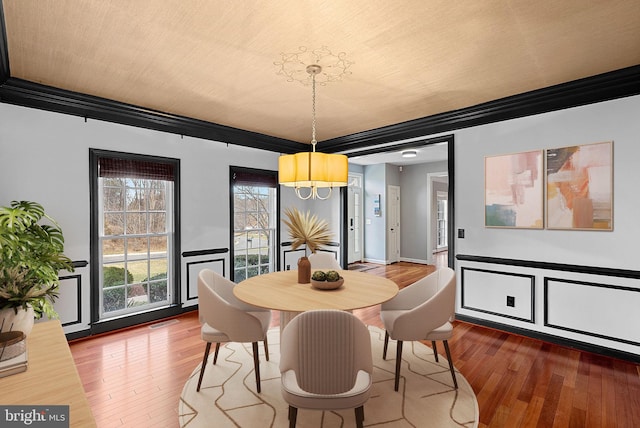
<point>328,210</point>
<point>44,157</point>
<point>576,307</point>
<point>417,223</point>
<point>375,229</point>
<point>615,121</point>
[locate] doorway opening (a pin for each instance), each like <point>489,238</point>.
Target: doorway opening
<point>354,218</point>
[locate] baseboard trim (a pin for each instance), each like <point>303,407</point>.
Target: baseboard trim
<point>418,261</point>
<point>550,338</point>
<point>115,326</point>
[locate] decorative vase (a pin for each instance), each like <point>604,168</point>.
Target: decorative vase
<point>21,321</point>
<point>304,270</point>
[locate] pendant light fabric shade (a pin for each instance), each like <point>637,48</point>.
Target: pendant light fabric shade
<point>313,169</point>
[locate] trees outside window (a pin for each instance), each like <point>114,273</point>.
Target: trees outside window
<point>135,214</point>
<point>254,217</point>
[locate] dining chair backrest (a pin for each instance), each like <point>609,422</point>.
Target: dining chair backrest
<point>440,281</point>
<point>324,260</point>
<point>219,308</point>
<point>326,349</point>
<point>429,303</point>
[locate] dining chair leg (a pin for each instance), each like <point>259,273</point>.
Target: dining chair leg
<point>386,343</point>
<point>453,372</point>
<point>435,350</point>
<point>359,416</point>
<point>215,354</point>
<point>256,365</point>
<point>266,349</point>
<point>293,415</point>
<point>398,363</point>
<point>204,364</point>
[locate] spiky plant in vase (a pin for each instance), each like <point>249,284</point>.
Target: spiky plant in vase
<point>307,229</point>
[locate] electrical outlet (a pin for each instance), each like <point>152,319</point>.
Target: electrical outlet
<point>511,301</point>
<point>288,267</point>
<point>461,233</point>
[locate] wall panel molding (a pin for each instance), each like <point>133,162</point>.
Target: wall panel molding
<point>490,297</point>
<point>77,281</point>
<point>575,303</point>
<point>613,309</point>
<point>589,269</point>
<point>192,276</point>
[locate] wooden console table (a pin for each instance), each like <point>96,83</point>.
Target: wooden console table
<point>51,377</point>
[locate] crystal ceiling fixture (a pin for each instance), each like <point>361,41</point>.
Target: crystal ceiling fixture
<point>409,153</point>
<point>313,170</point>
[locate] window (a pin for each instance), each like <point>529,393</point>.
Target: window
<point>443,241</point>
<point>135,223</point>
<point>254,204</point>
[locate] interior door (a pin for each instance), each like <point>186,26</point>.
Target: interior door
<point>393,224</point>
<point>354,218</point>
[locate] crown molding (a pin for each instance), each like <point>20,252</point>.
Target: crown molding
<point>603,87</point>
<point>29,94</point>
<point>616,84</point>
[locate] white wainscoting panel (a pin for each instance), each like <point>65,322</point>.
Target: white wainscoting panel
<point>192,267</point>
<point>487,291</point>
<point>600,309</point>
<point>290,258</point>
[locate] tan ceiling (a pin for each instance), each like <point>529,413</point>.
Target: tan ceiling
<point>214,60</point>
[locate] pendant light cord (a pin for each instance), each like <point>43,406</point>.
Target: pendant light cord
<point>313,111</point>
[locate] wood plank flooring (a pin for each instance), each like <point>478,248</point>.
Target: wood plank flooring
<point>134,378</point>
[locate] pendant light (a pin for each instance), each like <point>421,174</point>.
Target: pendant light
<point>313,170</point>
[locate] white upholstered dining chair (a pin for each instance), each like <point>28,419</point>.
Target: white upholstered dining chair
<point>224,318</point>
<point>421,311</point>
<point>324,260</point>
<point>326,363</point>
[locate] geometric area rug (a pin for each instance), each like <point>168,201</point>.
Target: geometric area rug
<point>426,397</point>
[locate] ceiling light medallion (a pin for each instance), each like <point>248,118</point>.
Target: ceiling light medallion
<point>313,170</point>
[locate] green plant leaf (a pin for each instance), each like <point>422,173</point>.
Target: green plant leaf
<point>31,256</point>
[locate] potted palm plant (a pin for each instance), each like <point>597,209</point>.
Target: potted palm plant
<point>31,255</point>
<point>306,229</point>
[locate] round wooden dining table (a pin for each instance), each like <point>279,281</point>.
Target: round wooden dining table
<point>281,291</point>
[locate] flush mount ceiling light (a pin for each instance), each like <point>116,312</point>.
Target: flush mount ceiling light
<point>409,153</point>
<point>313,170</point>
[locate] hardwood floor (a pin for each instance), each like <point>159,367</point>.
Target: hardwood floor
<point>134,378</point>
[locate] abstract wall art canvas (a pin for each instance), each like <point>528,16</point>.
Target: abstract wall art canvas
<point>580,187</point>
<point>514,190</point>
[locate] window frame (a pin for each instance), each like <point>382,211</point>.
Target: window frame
<point>268,178</point>
<point>175,306</point>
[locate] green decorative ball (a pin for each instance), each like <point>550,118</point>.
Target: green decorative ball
<point>319,276</point>
<point>332,276</point>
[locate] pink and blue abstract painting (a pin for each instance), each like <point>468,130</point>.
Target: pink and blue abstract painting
<point>514,190</point>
